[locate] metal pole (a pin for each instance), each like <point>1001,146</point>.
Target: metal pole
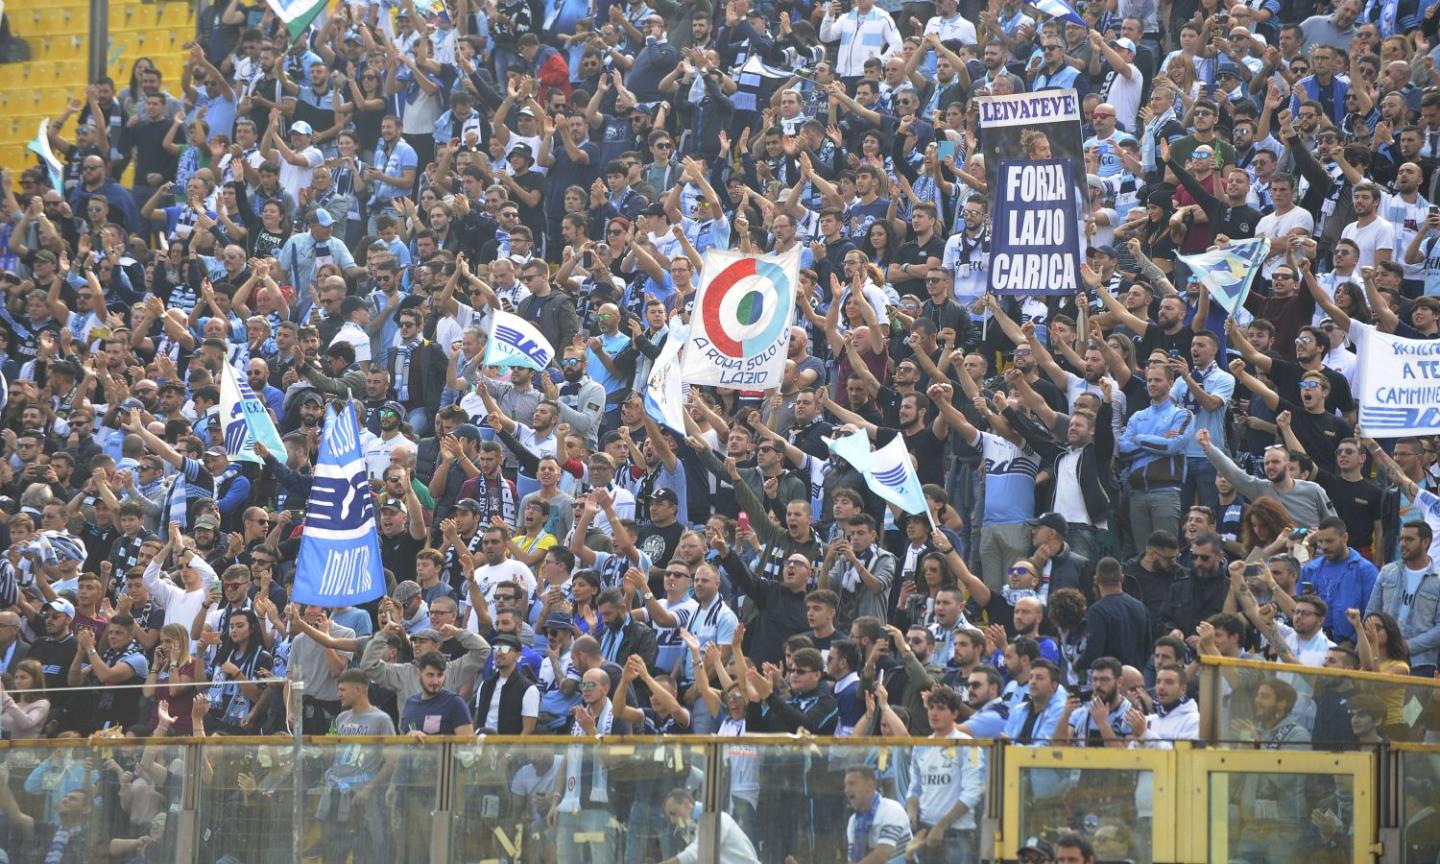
<point>708,842</point>
<point>1210,707</point>
<point>297,765</point>
<point>99,53</point>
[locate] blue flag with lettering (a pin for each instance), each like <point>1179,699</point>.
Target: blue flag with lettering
<point>340,550</point>
<point>516,342</point>
<point>1228,272</point>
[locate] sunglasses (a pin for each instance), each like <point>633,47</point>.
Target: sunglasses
<point>1310,384</point>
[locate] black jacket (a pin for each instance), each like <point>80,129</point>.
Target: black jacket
<point>512,699</point>
<point>1116,626</point>
<point>782,611</point>
<point>430,363</point>
<point>639,639</point>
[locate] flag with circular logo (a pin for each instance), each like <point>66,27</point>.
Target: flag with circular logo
<point>740,323</point>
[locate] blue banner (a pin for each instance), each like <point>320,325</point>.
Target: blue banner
<point>340,550</point>
<point>1035,242</point>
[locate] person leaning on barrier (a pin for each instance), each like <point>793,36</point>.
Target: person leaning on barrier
<point>682,811</point>
<point>946,785</point>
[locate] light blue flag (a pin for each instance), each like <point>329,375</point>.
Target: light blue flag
<point>246,420</point>
<point>888,471</point>
<point>516,342</point>
<point>664,394</point>
<point>340,550</point>
<point>40,146</point>
<point>1062,10</point>
<point>1228,272</point>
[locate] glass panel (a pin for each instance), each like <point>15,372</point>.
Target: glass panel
<point>132,800</point>
<point>1113,808</point>
<point>795,800</point>
<point>537,803</point>
<point>1322,711</point>
<point>247,801</point>
<point>375,802</point>
<point>1263,818</point>
<point>1420,816</point>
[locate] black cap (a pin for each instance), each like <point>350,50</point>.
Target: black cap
<point>664,494</point>
<point>1053,521</point>
<point>469,505</point>
<point>653,210</point>
<point>507,639</point>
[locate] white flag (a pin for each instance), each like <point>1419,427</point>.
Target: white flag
<point>515,342</point>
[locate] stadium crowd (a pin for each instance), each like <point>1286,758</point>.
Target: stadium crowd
<point>1118,482</point>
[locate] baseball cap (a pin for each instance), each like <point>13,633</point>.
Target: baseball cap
<point>509,639</point>
<point>215,450</point>
<point>1105,249</point>
<point>469,505</point>
<point>208,523</point>
<point>1053,521</point>
<point>653,210</point>
<point>664,494</point>
<point>301,127</point>
<point>320,216</point>
<point>393,504</point>
<point>312,396</point>
<point>61,605</point>
<point>558,621</point>
<point>467,430</point>
<point>1039,844</point>
<point>1225,67</point>
<point>47,256</point>
<point>392,405</point>
<point>1123,42</point>
<point>523,112</point>
<point>406,591</point>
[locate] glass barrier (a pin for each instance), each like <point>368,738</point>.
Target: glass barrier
<point>1264,817</point>
<point>797,799</point>
<point>370,802</point>
<point>562,799</point>
<point>1116,798</point>
<point>1282,706</point>
<point>1420,804</point>
<point>101,799</point>
<point>246,807</point>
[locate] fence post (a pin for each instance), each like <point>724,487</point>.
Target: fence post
<point>1210,706</point>
<point>187,828</point>
<point>99,54</point>
<point>297,763</point>
<point>444,794</point>
<point>708,843</point>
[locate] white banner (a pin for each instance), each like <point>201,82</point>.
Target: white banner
<point>740,325</point>
<point>1397,383</point>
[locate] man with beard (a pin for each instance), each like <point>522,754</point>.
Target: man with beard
<point>1306,502</point>
<point>1176,716</point>
<point>1102,722</point>
<point>582,399</point>
<point>460,530</point>
<point>1374,236</point>
<point>769,483</point>
<point>1339,575</point>
<point>1035,718</point>
<point>378,450</point>
<point>1199,592</point>
<point>459,462</point>
<point>417,371</point>
<point>879,828</point>
<point>539,436</point>
<point>55,651</point>
<point>1150,576</point>
<point>811,428</point>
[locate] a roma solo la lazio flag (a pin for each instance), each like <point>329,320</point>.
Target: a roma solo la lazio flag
<point>1397,383</point>
<point>740,324</point>
<point>516,342</point>
<point>246,420</point>
<point>340,549</point>
<point>888,470</point>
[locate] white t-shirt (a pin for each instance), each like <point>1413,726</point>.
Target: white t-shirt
<point>1407,219</point>
<point>293,178</point>
<point>1378,235</point>
<point>1275,225</point>
<point>357,337</point>
<point>890,825</point>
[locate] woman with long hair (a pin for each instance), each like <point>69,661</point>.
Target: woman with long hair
<point>584,588</point>
<point>171,678</point>
<point>1382,648</point>
<point>24,708</point>
<point>365,108</point>
<point>880,243</point>
<point>238,707</point>
<point>1266,526</point>
<point>273,231</point>
<point>917,596</point>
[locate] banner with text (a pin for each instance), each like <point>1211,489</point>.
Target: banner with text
<point>1024,126</point>
<point>1035,240</point>
<point>339,561</point>
<point>1397,383</point>
<point>740,326</point>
